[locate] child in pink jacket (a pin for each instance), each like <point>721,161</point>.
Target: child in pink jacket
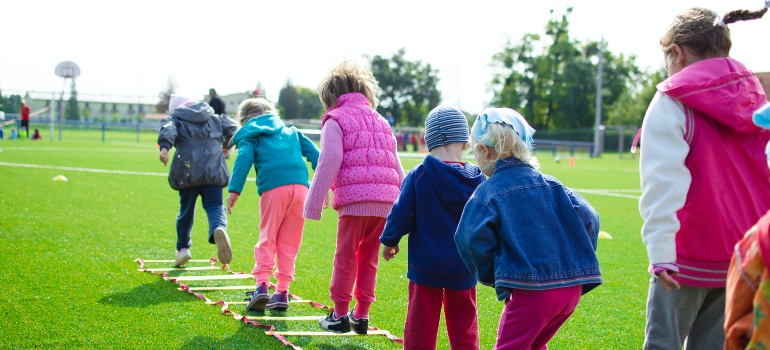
<point>358,161</point>
<point>703,177</point>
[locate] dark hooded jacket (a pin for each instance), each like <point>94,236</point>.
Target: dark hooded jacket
<point>429,208</point>
<point>198,136</point>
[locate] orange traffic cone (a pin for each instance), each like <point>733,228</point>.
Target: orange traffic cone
<point>571,161</point>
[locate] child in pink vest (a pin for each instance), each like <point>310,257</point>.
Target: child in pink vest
<point>358,162</point>
<point>703,177</point>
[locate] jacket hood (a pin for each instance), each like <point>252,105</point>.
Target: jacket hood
<point>721,89</point>
<point>200,112</point>
<point>266,124</point>
<point>454,186</point>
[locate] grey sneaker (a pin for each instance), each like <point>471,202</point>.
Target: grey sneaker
<point>224,252</point>
<point>278,301</point>
<point>340,325</point>
<point>359,325</point>
<point>258,299</point>
<point>181,257</point>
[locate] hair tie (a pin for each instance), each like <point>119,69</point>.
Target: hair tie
<point>719,22</point>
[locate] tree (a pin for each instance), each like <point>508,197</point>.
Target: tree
<point>310,106</point>
<point>288,101</point>
<point>165,96</point>
<point>631,106</point>
<point>408,89</point>
<point>553,84</point>
<point>71,111</point>
<point>11,104</point>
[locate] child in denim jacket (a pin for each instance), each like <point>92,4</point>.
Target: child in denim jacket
<point>525,234</point>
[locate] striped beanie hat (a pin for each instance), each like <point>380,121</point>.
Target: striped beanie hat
<point>445,125</point>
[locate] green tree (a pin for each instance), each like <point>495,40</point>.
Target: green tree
<point>553,83</point>
<point>310,106</point>
<point>71,111</point>
<point>408,89</point>
<point>631,105</point>
<point>165,96</point>
<point>11,104</point>
<point>288,101</point>
<point>86,113</point>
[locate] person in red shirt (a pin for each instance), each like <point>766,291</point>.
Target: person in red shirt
<point>24,112</point>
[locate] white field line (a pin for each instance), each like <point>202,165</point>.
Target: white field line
<point>91,170</point>
<point>602,192</point>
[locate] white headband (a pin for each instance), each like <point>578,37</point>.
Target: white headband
<point>719,22</point>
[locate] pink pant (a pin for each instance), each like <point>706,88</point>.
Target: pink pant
<point>532,317</point>
<point>424,311</point>
<point>280,234</point>
<point>356,259</point>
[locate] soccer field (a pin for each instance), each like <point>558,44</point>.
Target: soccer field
<point>70,280</point>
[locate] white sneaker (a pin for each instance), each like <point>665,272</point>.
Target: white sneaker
<point>224,252</point>
<point>182,256</point>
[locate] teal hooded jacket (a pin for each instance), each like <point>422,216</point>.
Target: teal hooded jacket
<point>275,151</point>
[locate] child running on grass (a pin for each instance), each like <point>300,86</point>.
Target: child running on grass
<point>359,163</point>
<point>429,208</point>
<point>704,180</point>
<point>525,234</point>
<point>276,152</point>
<point>198,169</point>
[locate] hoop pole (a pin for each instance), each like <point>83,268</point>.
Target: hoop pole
<point>53,112</point>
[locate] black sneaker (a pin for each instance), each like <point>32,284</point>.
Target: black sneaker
<point>340,325</point>
<point>359,325</point>
<point>259,298</point>
<point>278,301</point>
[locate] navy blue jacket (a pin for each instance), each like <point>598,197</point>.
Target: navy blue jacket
<point>525,230</point>
<point>432,198</point>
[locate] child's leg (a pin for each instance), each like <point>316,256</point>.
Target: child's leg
<point>528,314</point>
<point>272,206</point>
<point>422,317</point>
<point>462,322</point>
<point>184,222</point>
<point>367,259</point>
<point>671,315</point>
<point>349,230</point>
<point>211,196</point>
<point>707,331</point>
<point>290,237</point>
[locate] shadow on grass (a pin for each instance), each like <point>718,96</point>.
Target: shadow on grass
<point>147,295</point>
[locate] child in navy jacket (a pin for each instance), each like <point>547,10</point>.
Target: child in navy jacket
<point>428,209</point>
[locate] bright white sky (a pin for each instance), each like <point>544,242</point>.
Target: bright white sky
<point>133,47</point>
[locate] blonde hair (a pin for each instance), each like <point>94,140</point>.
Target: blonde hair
<point>505,140</point>
<point>349,76</point>
<point>696,30</point>
<point>254,107</point>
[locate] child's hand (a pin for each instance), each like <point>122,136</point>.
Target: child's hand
<point>231,199</point>
<point>666,281</point>
<point>164,156</point>
<point>225,151</point>
<point>389,252</point>
<point>326,200</point>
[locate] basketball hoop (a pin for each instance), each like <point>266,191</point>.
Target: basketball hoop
<point>67,69</point>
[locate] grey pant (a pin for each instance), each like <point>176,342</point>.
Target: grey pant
<point>695,314</point>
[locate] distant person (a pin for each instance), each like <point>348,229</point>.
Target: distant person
<point>37,136</point>
<point>216,102</point>
<point>24,113</point>
<point>275,151</point>
<point>355,140</point>
<point>2,119</point>
<point>391,121</point>
<point>198,169</point>
<point>428,209</point>
<point>747,298</point>
<point>703,177</point>
<point>14,135</point>
<point>525,234</point>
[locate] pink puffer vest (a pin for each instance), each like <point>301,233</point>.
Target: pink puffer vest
<point>368,170</point>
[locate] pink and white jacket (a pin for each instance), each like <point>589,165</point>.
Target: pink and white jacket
<point>358,161</point>
<point>704,175</point>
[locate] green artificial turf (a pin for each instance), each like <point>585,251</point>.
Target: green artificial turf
<point>70,279</point>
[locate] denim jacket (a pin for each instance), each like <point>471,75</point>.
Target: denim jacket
<point>522,229</point>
